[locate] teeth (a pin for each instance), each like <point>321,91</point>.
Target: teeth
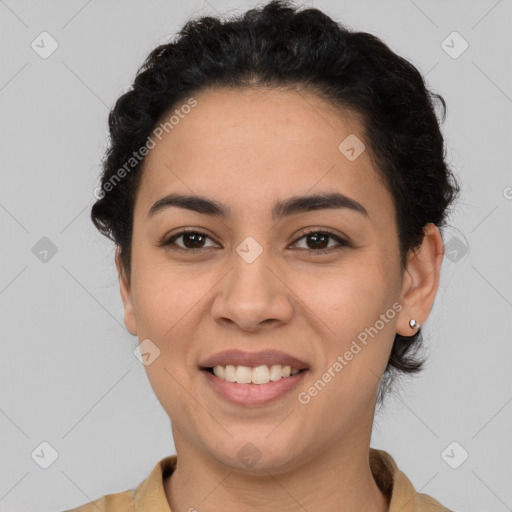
<point>260,375</point>
<point>243,374</point>
<point>257,375</point>
<point>220,372</point>
<point>230,372</point>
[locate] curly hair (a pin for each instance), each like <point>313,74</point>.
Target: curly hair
<point>279,46</point>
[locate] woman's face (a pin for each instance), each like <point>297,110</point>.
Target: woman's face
<point>256,283</point>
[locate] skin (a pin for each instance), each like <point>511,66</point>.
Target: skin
<point>248,148</point>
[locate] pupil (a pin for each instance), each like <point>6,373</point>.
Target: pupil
<point>189,236</point>
<point>316,236</point>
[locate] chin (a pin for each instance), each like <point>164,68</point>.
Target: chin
<point>259,455</point>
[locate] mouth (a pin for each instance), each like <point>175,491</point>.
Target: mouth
<point>253,386</point>
<point>258,375</point>
<point>252,378</point>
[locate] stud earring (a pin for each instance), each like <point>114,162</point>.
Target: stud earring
<point>413,324</point>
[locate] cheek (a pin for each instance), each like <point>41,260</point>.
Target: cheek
<point>166,295</point>
<point>355,347</point>
<point>168,302</point>
<point>356,304</point>
<point>348,297</point>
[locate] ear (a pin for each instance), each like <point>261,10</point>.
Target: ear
<point>421,281</point>
<point>126,295</point>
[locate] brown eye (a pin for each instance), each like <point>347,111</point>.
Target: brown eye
<point>318,241</point>
<point>192,240</point>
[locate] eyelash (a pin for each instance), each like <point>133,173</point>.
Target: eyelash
<point>342,242</point>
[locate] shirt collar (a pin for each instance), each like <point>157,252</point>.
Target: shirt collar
<point>150,494</point>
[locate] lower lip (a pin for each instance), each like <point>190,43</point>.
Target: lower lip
<point>254,394</point>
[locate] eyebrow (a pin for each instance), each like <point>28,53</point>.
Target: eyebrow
<point>280,209</point>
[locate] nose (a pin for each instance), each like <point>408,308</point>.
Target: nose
<point>253,295</point>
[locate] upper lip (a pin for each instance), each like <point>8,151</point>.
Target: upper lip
<point>239,357</point>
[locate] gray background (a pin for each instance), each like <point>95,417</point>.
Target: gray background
<point>68,375</point>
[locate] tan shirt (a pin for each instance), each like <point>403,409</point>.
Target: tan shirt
<point>149,496</point>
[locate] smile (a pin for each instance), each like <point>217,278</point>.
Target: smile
<point>262,374</point>
<point>269,384</point>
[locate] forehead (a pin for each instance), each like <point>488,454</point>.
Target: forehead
<point>247,146</point>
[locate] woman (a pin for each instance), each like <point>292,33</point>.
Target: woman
<point>275,187</point>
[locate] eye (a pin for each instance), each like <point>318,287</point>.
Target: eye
<point>192,239</point>
<point>319,238</point>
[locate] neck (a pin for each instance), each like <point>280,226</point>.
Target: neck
<point>338,479</point>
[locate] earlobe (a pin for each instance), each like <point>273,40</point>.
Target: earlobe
<point>421,281</point>
<point>126,295</point>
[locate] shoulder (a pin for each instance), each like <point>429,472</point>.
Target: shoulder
<point>149,493</point>
<point>395,484</point>
<point>426,503</point>
<point>120,502</point>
